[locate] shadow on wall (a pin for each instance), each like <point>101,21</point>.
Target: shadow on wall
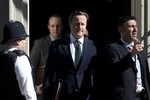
<point>2,47</point>
<point>22,6</point>
<point>4,17</point>
<point>146,42</point>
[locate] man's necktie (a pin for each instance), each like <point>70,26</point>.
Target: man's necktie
<point>130,47</point>
<point>77,53</point>
<point>136,67</point>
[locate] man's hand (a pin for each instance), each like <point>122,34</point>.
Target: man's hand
<point>138,46</point>
<point>39,89</point>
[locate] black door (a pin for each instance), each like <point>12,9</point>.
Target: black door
<point>103,16</point>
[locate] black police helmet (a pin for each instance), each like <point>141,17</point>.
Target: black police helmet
<point>13,31</point>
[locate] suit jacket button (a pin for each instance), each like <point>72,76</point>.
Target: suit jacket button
<point>77,90</point>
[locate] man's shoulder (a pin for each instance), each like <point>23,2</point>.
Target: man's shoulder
<point>13,53</point>
<point>19,52</point>
<point>43,38</point>
<point>90,41</point>
<point>10,55</point>
<point>114,45</point>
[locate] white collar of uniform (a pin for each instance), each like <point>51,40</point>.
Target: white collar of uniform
<point>10,49</point>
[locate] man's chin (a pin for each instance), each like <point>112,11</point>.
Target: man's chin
<point>134,38</point>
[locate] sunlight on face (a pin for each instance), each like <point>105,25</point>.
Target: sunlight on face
<point>78,26</point>
<point>130,31</point>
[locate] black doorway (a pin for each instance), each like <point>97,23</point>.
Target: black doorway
<point>103,16</point>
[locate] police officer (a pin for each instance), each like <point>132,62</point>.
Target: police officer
<point>16,71</point>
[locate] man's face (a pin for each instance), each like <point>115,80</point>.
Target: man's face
<point>129,31</point>
<point>55,26</point>
<point>78,26</point>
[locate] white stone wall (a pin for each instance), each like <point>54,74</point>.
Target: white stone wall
<point>141,9</point>
<point>15,10</point>
<point>19,10</point>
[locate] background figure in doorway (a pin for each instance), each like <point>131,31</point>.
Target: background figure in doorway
<point>16,69</point>
<point>61,63</point>
<point>39,51</point>
<point>127,65</point>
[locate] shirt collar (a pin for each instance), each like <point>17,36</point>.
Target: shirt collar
<point>54,38</point>
<point>72,39</point>
<point>126,43</point>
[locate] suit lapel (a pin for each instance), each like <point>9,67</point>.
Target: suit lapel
<point>122,48</point>
<point>85,52</point>
<point>124,52</point>
<point>66,48</point>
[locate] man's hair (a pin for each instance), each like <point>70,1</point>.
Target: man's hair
<point>122,20</point>
<point>78,12</point>
<point>54,15</point>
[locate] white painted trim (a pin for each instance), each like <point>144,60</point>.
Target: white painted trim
<point>19,10</point>
<point>141,9</point>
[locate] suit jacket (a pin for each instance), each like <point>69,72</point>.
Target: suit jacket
<point>39,52</point>
<point>74,79</point>
<point>38,56</point>
<point>121,75</point>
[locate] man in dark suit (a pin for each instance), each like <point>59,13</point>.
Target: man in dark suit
<point>39,52</point>
<point>61,63</point>
<point>127,65</point>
